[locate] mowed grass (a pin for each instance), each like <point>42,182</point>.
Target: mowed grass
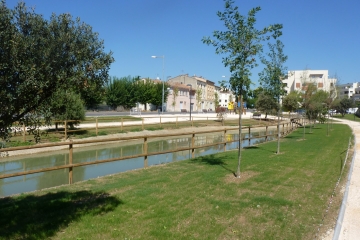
<point>281,196</point>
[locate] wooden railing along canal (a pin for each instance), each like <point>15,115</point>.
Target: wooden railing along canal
<point>284,127</point>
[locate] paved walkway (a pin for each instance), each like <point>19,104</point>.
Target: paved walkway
<point>348,224</point>
<point>155,118</point>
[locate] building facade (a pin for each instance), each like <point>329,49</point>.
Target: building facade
<point>179,98</point>
<point>298,80</point>
<point>349,90</point>
<point>203,90</point>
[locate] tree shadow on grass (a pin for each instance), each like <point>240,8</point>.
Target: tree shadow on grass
<point>41,217</point>
<point>213,160</point>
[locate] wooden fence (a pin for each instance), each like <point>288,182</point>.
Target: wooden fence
<point>286,128</point>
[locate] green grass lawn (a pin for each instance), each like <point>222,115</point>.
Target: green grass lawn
<point>277,197</point>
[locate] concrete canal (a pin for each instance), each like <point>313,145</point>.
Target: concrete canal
<point>37,181</point>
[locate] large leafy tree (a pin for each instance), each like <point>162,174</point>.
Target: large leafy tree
<point>144,92</point>
<point>342,105</point>
<point>240,44</point>
<point>156,93</point>
<point>291,101</point>
<point>66,105</point>
<point>272,75</point>
<point>267,103</point>
<point>39,56</point>
<point>122,92</point>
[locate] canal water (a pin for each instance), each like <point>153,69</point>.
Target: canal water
<point>37,181</point>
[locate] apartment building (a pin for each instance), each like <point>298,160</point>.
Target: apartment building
<point>349,90</point>
<point>204,90</point>
<point>179,98</point>
<point>298,80</point>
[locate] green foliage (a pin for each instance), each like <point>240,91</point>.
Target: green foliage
<point>156,93</point>
<point>67,105</point>
<point>198,98</point>
<point>38,57</point>
<point>342,105</point>
<point>291,101</point>
<point>274,71</point>
<point>175,95</point>
<point>315,102</point>
<point>143,89</point>
<point>240,44</point>
<point>216,99</point>
<point>122,92</point>
<point>267,104</point>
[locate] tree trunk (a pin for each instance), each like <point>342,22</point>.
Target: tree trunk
<point>278,127</point>
<point>240,138</point>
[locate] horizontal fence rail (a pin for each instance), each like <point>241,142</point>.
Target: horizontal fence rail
<point>285,129</point>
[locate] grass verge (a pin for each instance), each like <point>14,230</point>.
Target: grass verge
<point>277,197</point>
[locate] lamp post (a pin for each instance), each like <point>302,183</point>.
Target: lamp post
<point>189,85</point>
<point>162,102</point>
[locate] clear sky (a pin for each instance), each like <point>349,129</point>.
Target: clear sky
<point>317,34</point>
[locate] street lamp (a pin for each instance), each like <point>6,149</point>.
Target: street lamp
<point>162,102</point>
<point>189,85</point>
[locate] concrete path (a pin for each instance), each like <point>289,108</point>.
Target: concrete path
<point>348,224</point>
<point>155,118</point>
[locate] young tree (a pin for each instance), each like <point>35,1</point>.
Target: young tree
<point>198,98</point>
<point>272,75</point>
<point>240,44</point>
<point>40,56</point>
<point>175,94</point>
<point>216,100</point>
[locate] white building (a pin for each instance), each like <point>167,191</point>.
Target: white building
<point>226,96</point>
<point>349,90</point>
<point>298,80</point>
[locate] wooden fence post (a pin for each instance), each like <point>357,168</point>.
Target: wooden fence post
<point>24,133</point>
<point>266,133</point>
<point>96,126</point>
<point>225,140</point>
<point>193,145</point>
<point>65,126</point>
<point>145,152</point>
<point>283,129</point>
<point>142,123</point>
<point>70,162</point>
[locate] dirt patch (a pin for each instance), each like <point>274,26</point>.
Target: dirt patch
<point>230,178</point>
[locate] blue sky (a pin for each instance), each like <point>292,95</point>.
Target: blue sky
<point>317,34</point>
